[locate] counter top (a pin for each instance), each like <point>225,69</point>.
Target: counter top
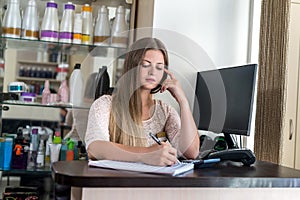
<point>224,174</point>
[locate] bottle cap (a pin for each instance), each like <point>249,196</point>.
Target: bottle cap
<point>120,9</point>
<point>77,66</point>
<point>70,144</point>
<point>87,8</point>
<point>103,9</point>
<point>70,6</point>
<point>57,138</point>
<point>34,131</point>
<point>31,3</point>
<point>51,4</point>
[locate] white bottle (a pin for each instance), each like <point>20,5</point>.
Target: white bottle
<point>77,31</point>
<point>50,25</point>
<point>12,20</point>
<point>67,22</point>
<point>119,32</point>
<point>102,28</point>
<point>40,159</point>
<point>75,84</point>
<point>87,24</point>
<point>46,93</point>
<point>30,25</point>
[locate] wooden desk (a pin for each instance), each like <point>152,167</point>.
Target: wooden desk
<point>223,176</point>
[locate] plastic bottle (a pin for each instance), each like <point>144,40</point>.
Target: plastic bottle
<point>31,162</point>
<point>119,33</point>
<point>30,25</point>
<point>76,88</point>
<point>12,20</point>
<point>66,25</point>
<point>102,28</point>
<point>46,93</point>
<point>40,159</point>
<point>63,92</point>
<point>47,152</point>
<point>87,24</point>
<point>70,150</point>
<point>34,139</point>
<point>77,30</point>
<point>50,24</point>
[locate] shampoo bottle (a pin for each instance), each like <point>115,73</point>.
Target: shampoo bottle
<point>102,28</point>
<point>87,24</point>
<point>77,30</point>
<point>119,35</point>
<point>30,25</point>
<point>50,24</point>
<point>75,83</point>
<point>12,20</point>
<point>66,25</point>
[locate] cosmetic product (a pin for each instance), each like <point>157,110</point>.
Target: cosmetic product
<point>66,25</point>
<point>12,20</point>
<point>119,33</point>
<point>30,24</point>
<point>87,24</point>
<point>102,28</point>
<point>50,23</point>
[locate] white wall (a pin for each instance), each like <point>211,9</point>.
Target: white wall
<point>201,34</point>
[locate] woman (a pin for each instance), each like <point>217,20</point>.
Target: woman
<point>119,125</point>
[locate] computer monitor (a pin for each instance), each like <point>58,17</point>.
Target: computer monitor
<point>224,100</point>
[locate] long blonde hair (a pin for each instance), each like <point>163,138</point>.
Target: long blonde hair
<point>125,122</point>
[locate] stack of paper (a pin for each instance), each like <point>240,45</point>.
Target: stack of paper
<point>173,170</point>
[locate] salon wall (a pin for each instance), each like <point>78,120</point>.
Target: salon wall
<point>203,35</point>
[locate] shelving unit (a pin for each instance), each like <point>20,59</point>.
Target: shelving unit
<point>22,53</point>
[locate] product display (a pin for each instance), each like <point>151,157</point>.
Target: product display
<point>28,97</point>
<point>30,24</point>
<point>87,24</point>
<point>12,20</point>
<point>46,93</point>
<point>50,23</point>
<point>119,33</point>
<point>102,28</point>
<point>76,86</point>
<point>77,31</point>
<point>66,25</point>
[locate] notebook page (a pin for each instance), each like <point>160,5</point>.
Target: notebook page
<point>141,167</point>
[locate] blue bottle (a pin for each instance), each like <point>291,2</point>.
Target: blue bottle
<point>7,153</point>
<point>2,141</point>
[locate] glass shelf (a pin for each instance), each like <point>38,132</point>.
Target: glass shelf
<point>36,104</point>
<point>40,45</point>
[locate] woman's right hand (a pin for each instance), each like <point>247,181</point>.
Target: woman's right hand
<point>161,155</point>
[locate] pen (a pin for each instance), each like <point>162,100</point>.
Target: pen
<point>155,138</point>
<point>158,141</point>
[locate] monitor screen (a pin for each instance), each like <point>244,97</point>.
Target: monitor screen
<point>224,99</point>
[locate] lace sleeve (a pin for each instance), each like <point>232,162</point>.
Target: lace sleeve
<point>172,127</point>
<point>98,120</point>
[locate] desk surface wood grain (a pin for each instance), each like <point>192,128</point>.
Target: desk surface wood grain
<point>224,174</point>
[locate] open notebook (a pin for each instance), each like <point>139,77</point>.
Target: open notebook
<point>173,170</point>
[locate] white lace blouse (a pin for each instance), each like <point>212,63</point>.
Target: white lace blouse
<point>164,119</point>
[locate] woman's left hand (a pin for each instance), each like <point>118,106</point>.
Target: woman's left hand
<point>173,86</point>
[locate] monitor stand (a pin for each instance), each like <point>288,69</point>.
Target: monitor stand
<point>231,143</point>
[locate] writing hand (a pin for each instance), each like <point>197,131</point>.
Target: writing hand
<point>162,155</point>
